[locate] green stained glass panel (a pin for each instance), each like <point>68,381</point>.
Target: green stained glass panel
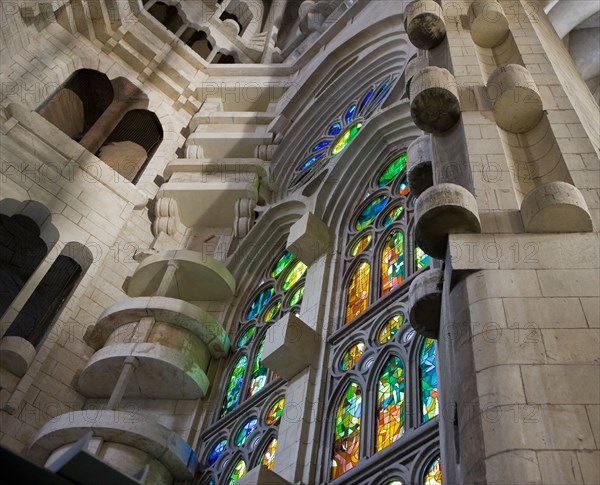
<point>346,435</point>
<point>281,264</point>
<point>351,356</point>
<point>428,376</point>
<point>234,385</point>
<point>390,403</point>
<point>392,216</point>
<point>274,413</point>
<point>259,303</point>
<point>294,275</point>
<point>259,372</point>
<point>239,470</point>
<point>371,211</point>
<point>246,336</point>
<point>345,138</point>
<point>392,262</point>
<point>245,431</point>
<point>433,476</point>
<point>297,296</point>
<point>393,169</point>
<point>422,259</point>
<point>272,311</point>
<point>390,328</point>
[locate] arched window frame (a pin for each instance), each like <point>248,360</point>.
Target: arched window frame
<point>226,426</point>
<point>398,458</point>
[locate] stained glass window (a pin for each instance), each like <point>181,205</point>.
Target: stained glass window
<point>393,169</point>
<point>259,302</point>
<point>297,296</point>
<point>294,275</point>
<point>361,244</point>
<point>393,215</point>
<point>259,372</point>
<point>340,132</point>
<point>346,438</point>
<point>390,403</point>
<point>274,414</point>
<point>234,385</point>
<point>392,262</point>
<point>269,454</point>
<point>389,329</point>
<point>433,476</point>
<point>246,336</point>
<point>351,356</point>
<point>239,470</point>
<point>422,259</point>
<point>272,311</point>
<point>428,375</point>
<point>403,187</point>
<point>358,291</point>
<point>245,431</point>
<point>281,264</point>
<point>370,212</point>
<point>394,482</point>
<point>216,452</point>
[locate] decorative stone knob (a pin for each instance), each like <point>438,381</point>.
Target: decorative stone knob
<point>489,26</point>
<point>419,165</point>
<point>424,24</point>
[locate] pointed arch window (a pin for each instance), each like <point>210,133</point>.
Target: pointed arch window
<point>377,355</point>
<point>253,404</point>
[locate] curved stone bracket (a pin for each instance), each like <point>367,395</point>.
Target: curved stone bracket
<point>489,25</point>
<point>441,210</point>
<point>419,165</point>
<point>424,24</point>
<point>556,207</point>
<point>198,277</point>
<point>169,310</point>
<point>425,303</point>
<point>135,430</point>
<point>16,354</point>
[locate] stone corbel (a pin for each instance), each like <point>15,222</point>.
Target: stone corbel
<point>166,217</point>
<point>261,475</point>
<point>16,355</point>
<point>244,217</point>
<point>425,303</point>
<point>308,238</point>
<point>290,347</point>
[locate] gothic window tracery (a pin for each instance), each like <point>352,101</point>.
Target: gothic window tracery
<point>340,132</point>
<point>382,384</point>
<point>245,435</point>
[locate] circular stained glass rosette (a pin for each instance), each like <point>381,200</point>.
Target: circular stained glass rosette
<point>390,328</point>
<point>275,411</point>
<point>239,470</point>
<point>282,263</point>
<point>393,215</point>
<point>216,452</point>
<point>297,296</point>
<point>294,275</point>
<point>272,311</point>
<point>361,245</point>
<point>393,169</point>
<point>259,302</point>
<point>246,336</point>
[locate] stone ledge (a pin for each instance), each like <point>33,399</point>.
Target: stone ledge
<point>162,373</point>
<point>169,310</point>
<point>138,431</point>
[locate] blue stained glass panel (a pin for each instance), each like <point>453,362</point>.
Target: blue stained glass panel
<point>350,113</point>
<point>335,129</point>
<point>365,100</point>
<point>321,145</point>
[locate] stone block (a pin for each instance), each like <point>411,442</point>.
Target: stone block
<point>559,467</point>
<point>419,165</point>
<point>308,238</point>
<point>512,467</point>
<point>290,347</point>
<point>424,24</point>
<point>16,354</point>
<point>261,475</point>
<point>425,302</point>
<point>561,384</point>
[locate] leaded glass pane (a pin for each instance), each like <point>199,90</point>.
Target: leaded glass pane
<point>281,264</point>
<point>358,291</point>
<point>246,336</point>
<point>294,275</point>
<point>274,413</point>
<point>234,385</point>
<point>269,455</point>
<point>346,137</point>
<point>433,476</point>
<point>422,259</point>
<point>245,431</point>
<point>392,262</point>
<point>371,211</point>
<point>260,302</point>
<point>216,452</point>
<point>393,169</point>
<point>346,439</point>
<point>239,470</point>
<point>351,356</point>
<point>390,403</point>
<point>361,244</point>
<point>259,372</point>
<point>428,375</point>
<point>389,329</point>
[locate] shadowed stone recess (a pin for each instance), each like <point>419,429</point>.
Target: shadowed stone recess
<point>556,207</point>
<point>441,210</point>
<point>425,303</point>
<point>518,106</point>
<point>419,166</point>
<point>434,104</point>
<point>424,24</point>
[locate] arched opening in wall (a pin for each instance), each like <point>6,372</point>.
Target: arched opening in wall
<point>132,143</point>
<point>167,15</point>
<point>232,21</point>
<point>51,294</point>
<point>76,105</point>
<point>198,41</point>
<point>222,58</point>
<point>21,252</point>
